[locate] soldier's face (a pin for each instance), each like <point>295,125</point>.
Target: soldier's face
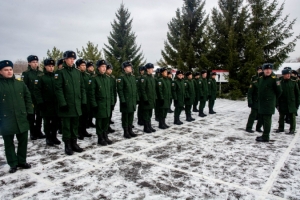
<point>82,67</point>
<point>109,71</point>
<point>34,64</point>
<point>190,77</point>
<point>102,69</point>
<point>142,72</point>
<point>59,66</point>
<point>294,75</point>
<point>180,76</point>
<point>268,72</point>
<point>197,77</point>
<point>258,71</point>
<point>214,76</point>
<point>91,69</point>
<point>164,73</point>
<point>70,61</point>
<point>49,68</point>
<point>287,76</point>
<point>7,72</point>
<point>128,69</point>
<point>150,71</point>
<point>204,75</point>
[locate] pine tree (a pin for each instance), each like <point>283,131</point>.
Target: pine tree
<point>121,43</point>
<point>187,43</point>
<point>55,54</point>
<point>90,53</point>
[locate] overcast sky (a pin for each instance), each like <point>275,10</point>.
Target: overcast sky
<point>34,26</point>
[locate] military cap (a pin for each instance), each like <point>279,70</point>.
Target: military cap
<point>89,64</point>
<point>158,70</point>
<point>142,68</point>
<point>79,62</point>
<point>69,54</point>
<point>60,62</point>
<point>196,73</point>
<point>188,73</point>
<point>109,66</point>
<point>179,72</point>
<point>258,68</point>
<point>149,66</point>
<point>161,70</point>
<point>285,71</point>
<point>49,61</point>
<point>101,62</point>
<point>213,73</point>
<point>288,68</point>
<point>294,72</point>
<point>203,71</point>
<point>126,64</point>
<point>267,66</point>
<point>169,72</point>
<point>32,58</point>
<point>6,63</point>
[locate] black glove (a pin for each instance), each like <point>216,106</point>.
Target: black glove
<point>146,103</point>
<point>201,97</point>
<point>124,105</point>
<point>250,105</point>
<point>64,108</point>
<point>42,106</point>
<point>161,102</point>
<point>30,117</point>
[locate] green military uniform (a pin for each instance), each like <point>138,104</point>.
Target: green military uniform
<point>252,97</point>
<point>139,110</point>
<point>90,112</point>
<point>102,99</point>
<point>288,103</point>
<point>189,98</point>
<point>71,95</point>
<point>128,96</point>
<point>212,87</point>
<point>114,87</point>
<point>156,109</point>
<point>269,89</point>
<point>178,94</point>
<point>203,95</point>
<point>197,95</point>
<point>44,92</point>
<point>164,96</point>
<point>15,105</point>
<point>29,77</point>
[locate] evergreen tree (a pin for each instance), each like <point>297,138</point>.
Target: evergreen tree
<point>121,43</point>
<point>187,43</point>
<point>90,53</point>
<point>55,54</point>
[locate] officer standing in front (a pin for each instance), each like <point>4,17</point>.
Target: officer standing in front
<point>15,107</point>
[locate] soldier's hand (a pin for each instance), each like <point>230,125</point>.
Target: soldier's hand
<point>64,108</point>
<point>250,105</point>
<point>124,105</point>
<point>146,103</point>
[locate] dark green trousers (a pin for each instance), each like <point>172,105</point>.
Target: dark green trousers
<point>139,113</point>
<point>156,109</point>
<point>162,113</point>
<point>127,119</point>
<point>211,103</point>
<point>188,109</point>
<point>195,103</point>
<point>202,103</point>
<point>147,114</point>
<point>267,122</point>
<point>69,128</point>
<point>102,125</point>
<point>13,158</point>
<point>292,117</point>
<point>83,119</point>
<point>51,124</point>
<point>253,115</point>
<point>177,111</point>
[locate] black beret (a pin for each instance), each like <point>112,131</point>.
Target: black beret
<point>89,64</point>
<point>294,72</point>
<point>179,72</point>
<point>101,62</point>
<point>258,68</point>
<point>109,66</point>
<point>79,62</point>
<point>203,71</point>
<point>213,73</point>
<point>69,54</point>
<point>32,58</point>
<point>49,61</point>
<point>142,68</point>
<point>196,73</point>
<point>288,68</point>
<point>126,64</point>
<point>163,69</point>
<point>149,66</point>
<point>6,63</point>
<point>188,73</point>
<point>60,62</point>
<point>285,71</point>
<point>267,66</point>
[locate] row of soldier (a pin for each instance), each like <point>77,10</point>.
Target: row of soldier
<point>67,99</point>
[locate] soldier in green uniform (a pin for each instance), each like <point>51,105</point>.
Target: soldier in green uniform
<point>252,97</point>
<point>102,99</point>
<point>170,78</point>
<point>44,92</point>
<point>212,87</point>
<point>91,71</point>
<point>29,76</point>
<point>203,92</point>
<point>109,70</point>
<point>15,107</point>
<point>269,89</point>
<point>178,94</point>
<point>189,96</point>
<point>164,96</point>
<point>142,70</point>
<point>288,102</point>
<point>196,87</point>
<point>59,63</point>
<point>147,86</point>
<point>128,96</point>
<point>71,97</point>
<point>87,81</point>
<point>156,109</point>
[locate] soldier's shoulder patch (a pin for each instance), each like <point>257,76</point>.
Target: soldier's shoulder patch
<point>36,81</point>
<point>274,77</point>
<point>159,83</point>
<point>277,82</point>
<point>173,84</point>
<point>142,80</point>
<point>55,76</point>
<point>119,80</point>
<point>90,81</point>
<point>185,84</point>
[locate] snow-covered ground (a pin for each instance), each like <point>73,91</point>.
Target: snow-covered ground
<point>210,158</point>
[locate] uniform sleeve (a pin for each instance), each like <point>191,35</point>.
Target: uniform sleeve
<point>59,89</point>
<point>278,88</point>
<point>92,93</point>
<point>187,90</point>
<point>174,88</point>
<point>159,86</point>
<point>250,93</point>
<point>120,89</point>
<point>142,86</point>
<point>28,101</point>
<point>82,90</point>
<point>200,88</point>
<point>38,91</point>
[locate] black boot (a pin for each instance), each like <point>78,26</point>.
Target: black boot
<point>164,122</point>
<point>101,140</point>
<point>32,134</point>
<point>49,141</point>
<point>258,130</point>
<point>107,140</point>
<point>92,125</point>
<point>170,110</point>
<point>140,122</point>
<point>85,133</point>
<point>54,139</point>
<point>201,114</point>
<point>39,133</point>
<point>13,170</point>
<point>24,166</point>
<point>177,121</point>
<point>80,135</point>
<point>180,122</point>
<point>110,130</point>
<point>111,122</point>
<point>188,118</point>
<point>147,128</point>
<point>279,131</point>
<point>59,131</point>
<point>249,131</point>
<point>193,119</point>
<point>150,127</point>
<point>195,109</point>
<point>292,132</point>
<point>261,139</point>
<point>161,124</point>
<point>211,111</point>
<point>75,146</point>
<point>131,133</point>
<point>126,133</point>
<point>68,148</point>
